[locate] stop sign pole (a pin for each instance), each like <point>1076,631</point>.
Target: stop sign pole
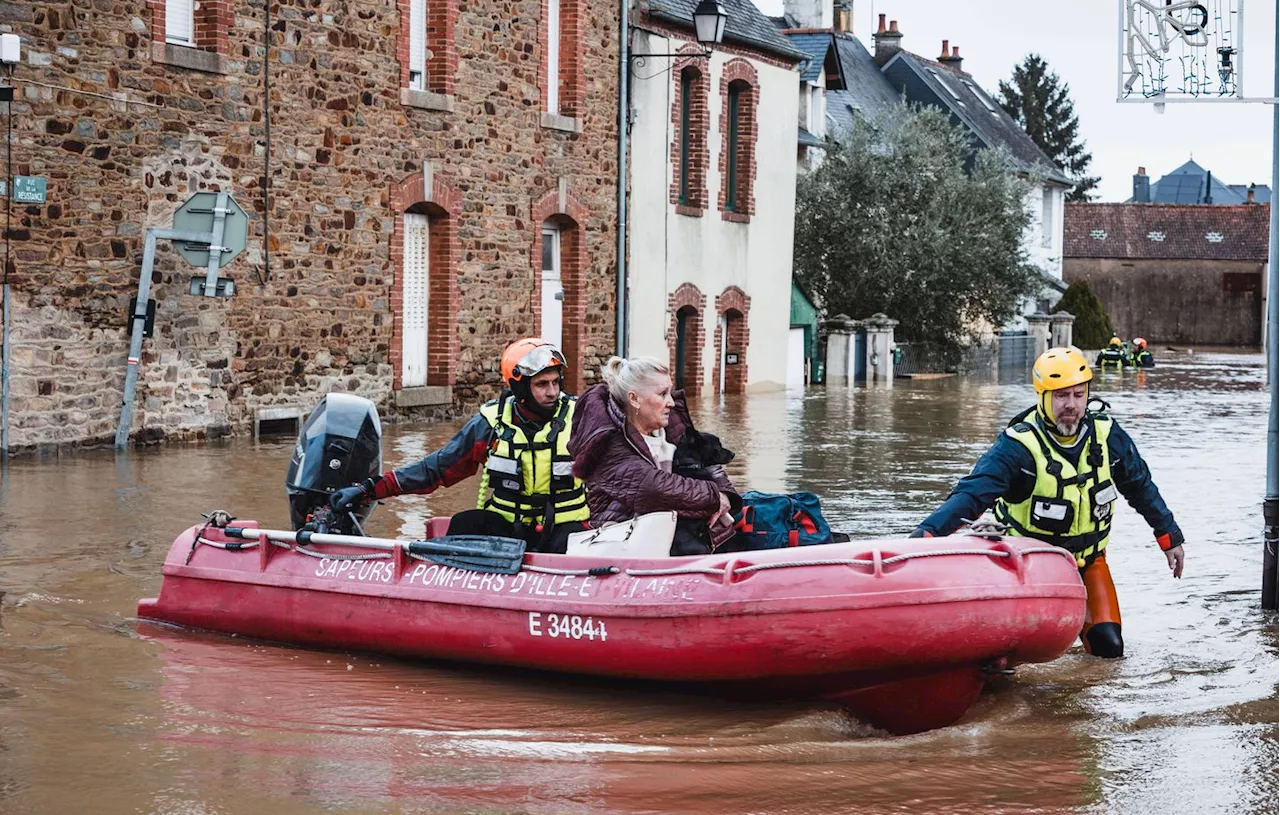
<point>138,317</point>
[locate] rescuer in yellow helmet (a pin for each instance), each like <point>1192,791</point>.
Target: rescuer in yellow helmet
<point>1114,356</point>
<point>1055,474</point>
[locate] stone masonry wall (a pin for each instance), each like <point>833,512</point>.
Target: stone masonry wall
<point>341,141</point>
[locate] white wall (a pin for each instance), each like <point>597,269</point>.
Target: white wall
<point>669,249</point>
<point>1043,243</point>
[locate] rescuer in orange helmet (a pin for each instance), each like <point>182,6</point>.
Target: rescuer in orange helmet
<point>527,489</point>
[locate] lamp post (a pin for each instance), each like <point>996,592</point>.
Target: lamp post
<point>709,21</point>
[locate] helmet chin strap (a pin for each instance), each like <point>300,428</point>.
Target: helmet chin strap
<point>1045,409</point>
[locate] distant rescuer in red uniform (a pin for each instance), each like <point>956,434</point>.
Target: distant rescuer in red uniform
<point>521,438</point>
<point>1054,474</point>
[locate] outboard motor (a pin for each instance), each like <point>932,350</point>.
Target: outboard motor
<point>340,445</point>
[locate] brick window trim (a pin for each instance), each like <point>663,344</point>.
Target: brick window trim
<point>733,303</point>
<point>443,205</point>
<point>700,126</point>
<point>685,296</point>
<point>442,56</point>
<point>573,36</point>
<point>213,21</point>
<point>739,71</point>
<point>565,211</point>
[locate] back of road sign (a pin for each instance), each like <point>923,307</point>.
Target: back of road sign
<point>1174,50</point>
<point>196,215</point>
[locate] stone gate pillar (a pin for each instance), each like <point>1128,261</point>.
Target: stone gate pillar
<point>838,372</point>
<point>879,347</point>
<point>1038,328</point>
<point>1060,324</point>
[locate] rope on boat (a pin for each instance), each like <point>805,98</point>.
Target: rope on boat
<point>787,564</point>
<point>233,546</point>
<point>675,570</point>
<point>302,550</point>
<point>598,571</point>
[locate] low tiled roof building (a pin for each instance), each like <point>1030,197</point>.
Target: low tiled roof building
<point>1185,273</point>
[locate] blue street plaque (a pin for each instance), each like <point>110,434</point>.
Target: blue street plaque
<point>28,189</point>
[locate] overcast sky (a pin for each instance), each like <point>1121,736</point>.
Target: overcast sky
<point>1077,38</point>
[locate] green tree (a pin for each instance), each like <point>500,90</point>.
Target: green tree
<point>892,222</point>
<point>1041,104</point>
<point>1092,327</point>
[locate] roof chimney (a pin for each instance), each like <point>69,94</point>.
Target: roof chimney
<point>1141,187</point>
<point>888,42</point>
<point>842,20</point>
<point>953,59</point>
<point>1251,195</point>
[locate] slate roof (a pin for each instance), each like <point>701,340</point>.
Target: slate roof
<point>746,25</point>
<point>1166,231</point>
<point>866,91</point>
<point>981,114</point>
<point>816,45</point>
<point>1193,184</point>
<point>807,139</point>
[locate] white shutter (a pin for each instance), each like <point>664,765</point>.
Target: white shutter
<point>552,287</point>
<point>553,56</point>
<point>179,22</point>
<point>418,44</point>
<point>415,275</point>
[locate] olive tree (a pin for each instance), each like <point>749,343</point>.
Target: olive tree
<point>906,217</point>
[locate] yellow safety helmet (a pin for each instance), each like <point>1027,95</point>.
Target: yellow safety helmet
<point>1116,341</point>
<point>1056,369</point>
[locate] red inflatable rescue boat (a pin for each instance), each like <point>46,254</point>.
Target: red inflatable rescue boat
<point>903,633</point>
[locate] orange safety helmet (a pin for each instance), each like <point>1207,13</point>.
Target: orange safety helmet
<point>1139,342</point>
<point>525,359</point>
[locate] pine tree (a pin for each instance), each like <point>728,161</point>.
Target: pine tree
<point>1092,327</point>
<point>1041,103</point>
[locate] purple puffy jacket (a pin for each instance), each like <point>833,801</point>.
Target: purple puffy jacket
<point>623,480</point>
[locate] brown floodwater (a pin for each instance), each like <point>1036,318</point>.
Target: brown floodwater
<point>101,714</point>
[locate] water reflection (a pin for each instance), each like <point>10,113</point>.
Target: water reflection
<point>99,715</point>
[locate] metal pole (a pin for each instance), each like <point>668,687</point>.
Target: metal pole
<point>137,321</point>
<point>215,247</point>
<point>624,110</point>
<point>1269,519</point>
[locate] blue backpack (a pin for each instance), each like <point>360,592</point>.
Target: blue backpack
<point>774,520</point>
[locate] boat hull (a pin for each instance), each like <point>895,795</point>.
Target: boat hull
<point>902,637</point>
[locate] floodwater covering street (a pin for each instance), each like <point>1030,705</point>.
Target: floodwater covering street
<point>101,714</point>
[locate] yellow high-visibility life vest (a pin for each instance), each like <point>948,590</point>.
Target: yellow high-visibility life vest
<point>530,476</point>
<point>1072,502</point>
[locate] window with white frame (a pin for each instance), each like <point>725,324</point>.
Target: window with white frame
<point>552,286</point>
<point>553,56</point>
<point>179,22</point>
<point>1046,218</point>
<point>416,287</point>
<point>418,45</point>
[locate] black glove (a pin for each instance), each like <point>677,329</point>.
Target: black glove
<point>348,498</point>
<point>918,532</point>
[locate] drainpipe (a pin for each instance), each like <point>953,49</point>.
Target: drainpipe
<point>624,104</point>
<point>6,363</point>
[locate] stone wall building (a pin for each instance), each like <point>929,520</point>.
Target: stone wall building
<point>1176,273</point>
<point>438,172</point>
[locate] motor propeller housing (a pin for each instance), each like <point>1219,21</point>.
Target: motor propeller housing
<point>339,445</point>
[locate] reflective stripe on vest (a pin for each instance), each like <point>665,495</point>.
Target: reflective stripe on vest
<point>525,476</point>
<point>1084,486</point>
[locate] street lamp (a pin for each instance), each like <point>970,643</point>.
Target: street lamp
<point>709,19</point>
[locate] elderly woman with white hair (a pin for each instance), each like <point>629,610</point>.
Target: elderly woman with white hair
<point>624,438</point>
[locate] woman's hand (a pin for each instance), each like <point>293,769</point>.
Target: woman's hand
<point>721,515</point>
